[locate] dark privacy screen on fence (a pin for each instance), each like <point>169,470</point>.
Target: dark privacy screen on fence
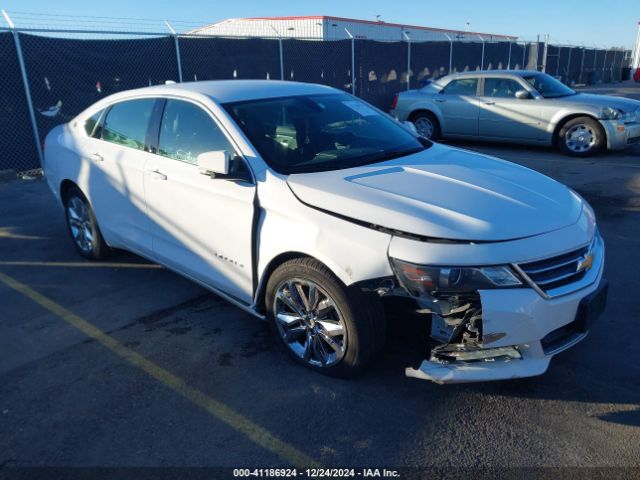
<point>380,71</point>
<point>224,58</point>
<point>17,142</point>
<point>66,75</point>
<point>328,63</point>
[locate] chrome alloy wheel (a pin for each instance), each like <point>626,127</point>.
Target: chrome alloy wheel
<point>310,323</point>
<point>80,224</point>
<point>424,126</point>
<point>580,138</point>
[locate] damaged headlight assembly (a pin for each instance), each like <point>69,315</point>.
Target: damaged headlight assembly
<point>423,279</point>
<point>450,295</point>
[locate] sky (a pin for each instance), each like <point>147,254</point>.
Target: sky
<point>603,23</point>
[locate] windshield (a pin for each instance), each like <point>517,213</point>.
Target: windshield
<point>548,86</point>
<point>321,132</point>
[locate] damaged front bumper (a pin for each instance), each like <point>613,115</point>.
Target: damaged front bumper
<point>515,332</point>
<point>523,322</point>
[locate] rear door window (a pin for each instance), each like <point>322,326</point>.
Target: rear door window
<point>126,123</point>
<point>461,86</point>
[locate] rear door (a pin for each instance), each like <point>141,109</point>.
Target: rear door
<point>201,226</point>
<point>503,116</point>
<point>458,102</point>
<point>115,180</point>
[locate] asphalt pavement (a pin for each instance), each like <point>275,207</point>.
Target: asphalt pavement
<point>123,363</point>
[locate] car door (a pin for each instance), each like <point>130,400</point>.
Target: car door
<point>115,180</point>
<point>458,103</point>
<point>201,226</point>
<point>503,116</point>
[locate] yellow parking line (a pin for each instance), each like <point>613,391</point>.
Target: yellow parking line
<point>219,410</point>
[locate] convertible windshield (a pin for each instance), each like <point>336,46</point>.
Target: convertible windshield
<point>548,86</point>
<point>321,132</point>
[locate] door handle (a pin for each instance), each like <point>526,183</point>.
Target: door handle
<point>96,157</point>
<point>440,100</point>
<point>489,103</point>
<point>156,175</point>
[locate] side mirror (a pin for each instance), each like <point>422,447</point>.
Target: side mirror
<point>523,95</point>
<point>410,126</point>
<point>214,163</point>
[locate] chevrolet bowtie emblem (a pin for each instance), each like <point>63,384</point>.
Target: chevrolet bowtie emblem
<point>586,263</point>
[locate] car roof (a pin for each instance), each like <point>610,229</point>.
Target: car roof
<point>496,73</point>
<point>223,91</point>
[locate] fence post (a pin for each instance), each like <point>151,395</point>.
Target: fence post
<point>27,90</point>
<point>353,62</point>
<point>281,54</point>
<point>524,55</point>
<point>177,44</point>
<point>569,65</point>
<point>509,61</point>
<point>545,52</point>
<point>604,64</point>
<point>406,35</point>
<point>482,59</point>
<point>581,78</point>
<point>450,53</point>
<point>558,61</point>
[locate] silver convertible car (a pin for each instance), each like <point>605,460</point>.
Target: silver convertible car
<point>520,106</point>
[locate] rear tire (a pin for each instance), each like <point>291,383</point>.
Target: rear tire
<point>83,226</point>
<point>426,124</point>
<point>581,137</point>
<point>320,322</point>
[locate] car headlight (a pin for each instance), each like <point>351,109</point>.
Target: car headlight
<point>609,113</point>
<point>421,279</point>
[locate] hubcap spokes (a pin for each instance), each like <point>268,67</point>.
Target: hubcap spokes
<point>80,224</point>
<point>580,138</point>
<point>424,127</point>
<point>310,323</point>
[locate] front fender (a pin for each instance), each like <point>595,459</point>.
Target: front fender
<point>564,113</point>
<point>352,252</point>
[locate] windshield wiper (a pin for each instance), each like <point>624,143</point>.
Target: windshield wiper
<point>379,157</point>
<point>382,156</point>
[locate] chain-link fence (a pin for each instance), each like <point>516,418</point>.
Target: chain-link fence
<point>52,75</point>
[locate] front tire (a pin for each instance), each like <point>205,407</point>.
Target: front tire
<point>581,137</point>
<point>321,323</point>
<point>83,226</point>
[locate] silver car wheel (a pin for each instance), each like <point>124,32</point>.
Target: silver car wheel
<point>310,323</point>
<point>580,138</point>
<point>80,224</point>
<point>424,126</point>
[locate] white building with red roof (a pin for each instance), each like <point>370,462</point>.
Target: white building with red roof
<point>323,27</point>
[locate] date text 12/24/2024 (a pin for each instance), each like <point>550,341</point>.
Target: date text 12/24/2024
<point>315,473</point>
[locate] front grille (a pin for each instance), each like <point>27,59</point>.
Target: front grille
<point>557,271</point>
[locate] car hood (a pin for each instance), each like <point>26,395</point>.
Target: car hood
<point>443,193</point>
<point>624,104</point>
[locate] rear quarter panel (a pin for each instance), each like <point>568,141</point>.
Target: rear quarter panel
<point>61,159</point>
<point>409,102</point>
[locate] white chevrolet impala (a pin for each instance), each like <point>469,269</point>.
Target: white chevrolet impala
<point>310,208</point>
